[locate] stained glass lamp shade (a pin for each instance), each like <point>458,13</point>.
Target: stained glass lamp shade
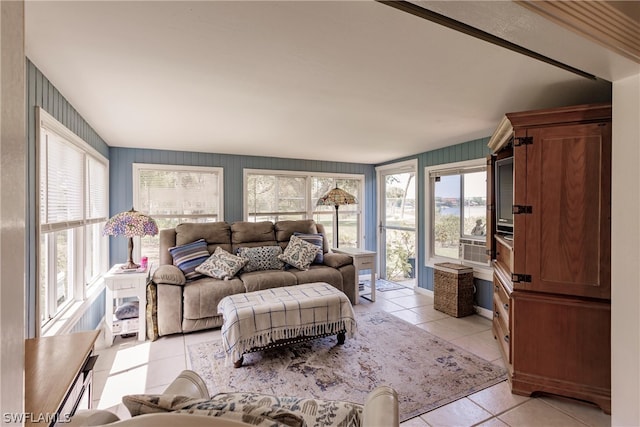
<point>130,224</point>
<point>336,197</point>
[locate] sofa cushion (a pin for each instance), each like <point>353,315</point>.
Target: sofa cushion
<point>319,273</point>
<point>221,265</point>
<point>285,229</point>
<point>251,234</point>
<point>315,238</point>
<point>300,253</point>
<point>214,233</point>
<point>258,280</point>
<point>188,256</point>
<point>201,297</point>
<point>261,258</point>
<point>168,275</point>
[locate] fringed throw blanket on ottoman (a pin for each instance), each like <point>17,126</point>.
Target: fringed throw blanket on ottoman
<point>272,317</point>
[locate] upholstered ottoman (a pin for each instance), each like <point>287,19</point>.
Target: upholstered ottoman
<point>269,318</point>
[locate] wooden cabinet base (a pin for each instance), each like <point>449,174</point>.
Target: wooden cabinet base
<point>562,346</point>
<point>531,385</point>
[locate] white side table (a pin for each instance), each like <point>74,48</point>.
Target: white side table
<point>362,260</point>
<point>121,285</point>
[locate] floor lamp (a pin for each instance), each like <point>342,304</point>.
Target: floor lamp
<point>336,197</point>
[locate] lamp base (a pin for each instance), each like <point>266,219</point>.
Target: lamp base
<point>130,266</point>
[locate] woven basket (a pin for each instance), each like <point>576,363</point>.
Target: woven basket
<point>453,289</point>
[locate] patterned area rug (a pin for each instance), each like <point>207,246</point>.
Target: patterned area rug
<point>426,371</point>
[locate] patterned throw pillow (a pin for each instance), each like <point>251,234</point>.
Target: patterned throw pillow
<point>316,239</point>
<point>299,253</point>
<point>221,265</point>
<point>261,258</point>
<point>188,257</point>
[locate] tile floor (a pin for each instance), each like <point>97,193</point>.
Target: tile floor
<point>130,367</point>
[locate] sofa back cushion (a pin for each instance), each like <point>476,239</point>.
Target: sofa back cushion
<point>285,229</point>
<point>252,234</point>
<point>216,234</point>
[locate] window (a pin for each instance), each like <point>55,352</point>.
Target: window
<point>457,212</point>
<point>73,187</point>
<point>283,195</point>
<point>175,194</point>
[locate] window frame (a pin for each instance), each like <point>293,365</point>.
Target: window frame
<point>83,288</point>
<point>137,167</point>
<point>431,258</point>
<point>310,210</point>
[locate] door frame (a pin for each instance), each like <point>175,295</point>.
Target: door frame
<point>391,169</point>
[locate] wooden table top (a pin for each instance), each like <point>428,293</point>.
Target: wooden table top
<point>51,365</point>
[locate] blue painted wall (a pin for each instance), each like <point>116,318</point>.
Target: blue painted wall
<point>121,181</point>
<point>41,93</point>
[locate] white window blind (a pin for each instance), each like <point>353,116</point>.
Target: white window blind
<point>64,171</point>
<point>97,181</point>
<point>178,192</point>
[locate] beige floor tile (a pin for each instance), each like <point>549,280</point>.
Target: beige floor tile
<point>163,371</point>
<point>589,414</point>
<point>414,422</point>
<point>125,382</point>
<point>131,357</point>
<point>412,301</point>
<point>466,325</point>
<point>202,336</point>
<point>492,422</point>
<point>497,399</point>
<point>410,316</point>
<point>480,344</point>
<point>429,313</point>
<point>536,413</point>
<point>386,305</point>
<point>442,330</point>
<point>169,346</point>
<point>461,413</point>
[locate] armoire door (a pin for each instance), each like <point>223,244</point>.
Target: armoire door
<point>568,210</point>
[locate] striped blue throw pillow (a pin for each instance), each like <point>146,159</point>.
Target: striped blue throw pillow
<point>188,257</point>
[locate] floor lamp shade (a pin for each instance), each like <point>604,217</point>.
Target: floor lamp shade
<point>337,197</point>
<point>130,224</point>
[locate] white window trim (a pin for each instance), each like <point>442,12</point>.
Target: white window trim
<point>480,272</point>
<point>84,296</point>
<point>310,203</point>
<point>136,167</point>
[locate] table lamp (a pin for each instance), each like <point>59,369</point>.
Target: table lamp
<point>130,224</point>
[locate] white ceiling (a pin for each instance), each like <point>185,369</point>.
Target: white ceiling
<point>354,81</point>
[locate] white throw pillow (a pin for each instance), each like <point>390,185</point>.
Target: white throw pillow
<point>299,253</point>
<point>221,265</point>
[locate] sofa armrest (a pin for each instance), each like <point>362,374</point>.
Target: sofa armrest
<point>168,275</point>
<point>381,408</point>
<point>92,417</point>
<point>335,260</point>
<point>189,384</point>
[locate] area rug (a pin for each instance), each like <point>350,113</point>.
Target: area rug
<point>383,285</point>
<point>426,371</point>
